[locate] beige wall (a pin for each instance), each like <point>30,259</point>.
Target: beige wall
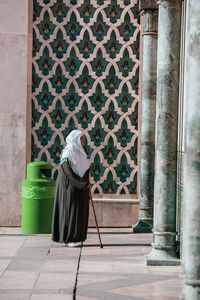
<point>15,42</point>
<point>15,119</point>
<point>116,213</point>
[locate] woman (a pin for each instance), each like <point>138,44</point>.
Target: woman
<point>71,205</point>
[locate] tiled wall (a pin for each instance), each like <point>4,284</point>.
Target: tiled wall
<point>85,76</point>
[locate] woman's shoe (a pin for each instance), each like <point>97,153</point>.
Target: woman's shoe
<point>71,245</point>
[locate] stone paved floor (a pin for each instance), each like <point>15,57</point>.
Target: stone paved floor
<point>33,267</point>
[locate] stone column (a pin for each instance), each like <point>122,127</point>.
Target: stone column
<point>15,104</point>
<point>191,224</point>
<point>147,142</point>
<point>164,228</point>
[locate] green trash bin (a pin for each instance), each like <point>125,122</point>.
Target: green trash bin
<point>37,198</point>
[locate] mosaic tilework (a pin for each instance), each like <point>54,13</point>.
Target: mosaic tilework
<point>85,76</point>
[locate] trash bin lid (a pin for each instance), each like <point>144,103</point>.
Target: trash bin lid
<point>39,169</point>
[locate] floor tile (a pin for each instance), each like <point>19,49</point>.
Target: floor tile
<point>51,297</point>
<point>18,280</point>
<point>57,281</point>
<point>14,297</point>
<point>34,265</point>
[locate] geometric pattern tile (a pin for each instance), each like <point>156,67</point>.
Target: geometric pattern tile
<point>85,75</point>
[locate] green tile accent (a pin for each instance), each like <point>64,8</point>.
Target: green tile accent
<point>36,10</point>
<point>73,28</point>
<point>45,98</point>
<point>72,64</point>
<point>58,116</point>
<point>59,45</point>
<point>110,152</point>
<point>46,27</point>
<point>85,116</point>
<point>97,168</point>
<point>98,99</point>
<point>133,186</point>
<point>59,10</point>
<point>86,11</point>
<point>97,134</point>
<point>124,135</point>
<point>45,62</point>
<point>112,81</point>
<point>59,81</point>
<point>99,64</point>
<point>113,46</point>
<point>133,152</point>
<point>113,11</point>
<point>123,170</point>
<point>36,44</point>
<point>86,47</point>
<point>99,28</point>
<point>126,64</point>
<point>35,115</point>
<point>35,79</point>
<point>85,81</point>
<point>56,149</point>
<point>127,29</point>
<point>44,133</point>
<point>71,98</point>
<point>111,117</point>
<point>124,100</point>
<point>134,117</point>
<point>110,186</point>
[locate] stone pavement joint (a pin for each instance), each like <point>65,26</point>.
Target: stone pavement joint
<point>32,267</point>
<point>77,271</point>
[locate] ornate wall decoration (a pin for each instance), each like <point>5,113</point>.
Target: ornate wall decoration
<point>85,76</point>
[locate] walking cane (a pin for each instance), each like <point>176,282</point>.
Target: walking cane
<point>101,246</point>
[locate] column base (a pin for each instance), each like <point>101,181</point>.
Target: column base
<point>190,292</point>
<point>142,227</point>
<point>159,257</point>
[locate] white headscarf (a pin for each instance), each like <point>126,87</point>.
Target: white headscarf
<point>75,154</point>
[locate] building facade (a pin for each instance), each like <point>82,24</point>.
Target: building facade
<point>82,63</point>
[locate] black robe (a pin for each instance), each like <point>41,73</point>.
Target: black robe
<point>71,206</point>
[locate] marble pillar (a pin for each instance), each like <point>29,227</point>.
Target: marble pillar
<point>164,225</point>
<point>15,93</point>
<point>148,113</point>
<point>191,224</point>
